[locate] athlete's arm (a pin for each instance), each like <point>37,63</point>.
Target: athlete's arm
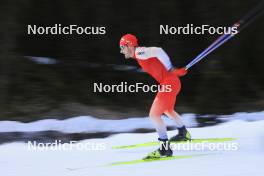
<point>144,53</point>
<point>164,58</point>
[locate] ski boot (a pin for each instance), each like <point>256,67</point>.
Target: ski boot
<point>163,151</point>
<point>183,135</point>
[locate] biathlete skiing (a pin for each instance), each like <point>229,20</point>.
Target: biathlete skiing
<point>156,62</point>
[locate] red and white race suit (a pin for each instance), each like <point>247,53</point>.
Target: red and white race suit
<point>156,62</point>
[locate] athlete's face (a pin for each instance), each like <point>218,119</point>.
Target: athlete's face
<point>128,51</point>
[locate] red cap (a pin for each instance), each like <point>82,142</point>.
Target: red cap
<point>129,40</point>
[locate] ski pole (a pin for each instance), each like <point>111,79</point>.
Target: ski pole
<point>241,24</point>
<point>208,50</point>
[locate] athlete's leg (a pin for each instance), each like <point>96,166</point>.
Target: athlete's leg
<point>183,134</point>
<point>175,117</point>
<point>164,101</point>
<point>155,113</point>
<point>157,109</point>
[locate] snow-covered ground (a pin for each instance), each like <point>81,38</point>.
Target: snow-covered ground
<point>88,124</point>
<point>17,160</point>
<point>85,124</point>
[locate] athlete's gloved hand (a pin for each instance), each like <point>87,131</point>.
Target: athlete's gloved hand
<point>181,71</point>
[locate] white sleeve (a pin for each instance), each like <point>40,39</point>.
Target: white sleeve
<point>144,53</point>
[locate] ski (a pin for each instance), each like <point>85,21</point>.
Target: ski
<point>155,159</point>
